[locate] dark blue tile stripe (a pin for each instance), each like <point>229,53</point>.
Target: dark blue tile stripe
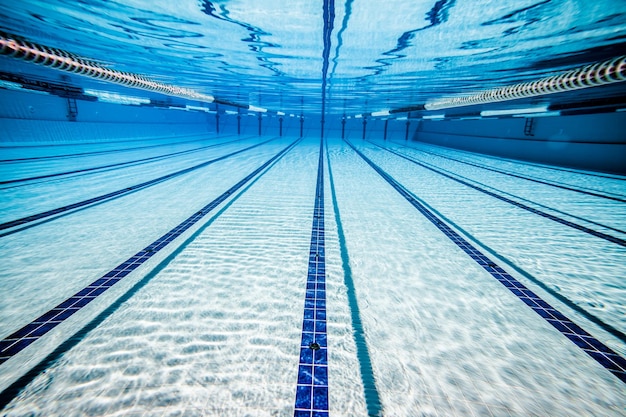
<point>28,219</point>
<point>119,164</point>
<point>511,174</point>
<point>614,331</point>
<point>604,355</point>
<point>23,337</point>
<point>312,386</point>
<point>552,217</point>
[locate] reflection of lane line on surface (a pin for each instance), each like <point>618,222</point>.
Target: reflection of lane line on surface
<point>115,194</point>
<point>76,155</point>
<point>532,164</point>
<point>312,385</point>
<point>601,353</point>
<point>511,174</point>
<point>552,217</point>
<point>28,334</point>
<point>372,398</point>
<point>118,164</point>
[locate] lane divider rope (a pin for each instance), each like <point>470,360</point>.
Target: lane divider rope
<point>600,73</point>
<point>65,61</point>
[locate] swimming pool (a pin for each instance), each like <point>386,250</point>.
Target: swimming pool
<point>229,261</point>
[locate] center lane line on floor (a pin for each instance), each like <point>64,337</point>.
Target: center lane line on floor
<point>312,387</point>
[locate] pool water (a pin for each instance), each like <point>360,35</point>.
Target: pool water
<point>212,324</point>
<point>243,208</point>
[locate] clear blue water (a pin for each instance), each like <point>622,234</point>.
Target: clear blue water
<point>211,323</point>
<point>376,56</point>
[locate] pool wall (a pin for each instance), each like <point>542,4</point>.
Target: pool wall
<point>48,119</point>
<point>26,118</point>
<point>587,141</point>
<point>590,141</point>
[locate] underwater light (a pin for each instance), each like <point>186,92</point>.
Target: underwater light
<point>504,112</point>
<point>546,114</point>
<point>111,97</point>
<point>600,73</point>
<point>198,108</point>
<point>257,109</point>
<point>66,61</point>
<point>381,113</point>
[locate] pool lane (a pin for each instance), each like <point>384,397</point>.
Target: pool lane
<point>26,200</point>
<point>579,189</point>
<point>22,338</point>
<point>109,166</point>
<point>46,264</point>
<point>51,152</point>
<point>218,330</point>
<point>583,269</point>
<point>610,184</point>
<point>596,233</point>
<point>605,356</point>
<point>22,222</point>
<point>445,337</point>
<point>584,209</point>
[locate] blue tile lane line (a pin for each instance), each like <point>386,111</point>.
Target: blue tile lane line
<point>119,164</point>
<point>64,209</point>
<point>592,232</point>
<point>511,174</point>
<point>605,326</point>
<point>312,386</point>
<point>74,155</point>
<point>19,340</point>
<point>604,355</point>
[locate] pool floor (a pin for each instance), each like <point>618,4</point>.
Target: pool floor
<point>211,322</point>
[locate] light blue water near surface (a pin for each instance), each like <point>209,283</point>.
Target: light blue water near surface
<point>378,56</point>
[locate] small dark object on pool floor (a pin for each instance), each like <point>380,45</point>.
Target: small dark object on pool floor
<point>314,346</point>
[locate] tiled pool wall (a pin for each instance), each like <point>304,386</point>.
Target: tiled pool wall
<point>584,141</point>
<point>44,118</point>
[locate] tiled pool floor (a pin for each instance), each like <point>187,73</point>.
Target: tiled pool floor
<point>215,329</point>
